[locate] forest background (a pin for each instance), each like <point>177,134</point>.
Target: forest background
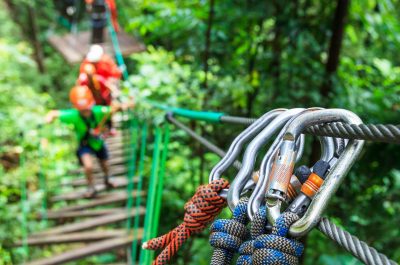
<point>238,57</point>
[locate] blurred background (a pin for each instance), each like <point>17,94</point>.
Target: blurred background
<point>238,57</point>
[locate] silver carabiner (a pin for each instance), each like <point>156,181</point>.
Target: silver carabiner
<point>258,195</point>
<point>235,148</point>
<point>332,181</point>
<point>250,155</point>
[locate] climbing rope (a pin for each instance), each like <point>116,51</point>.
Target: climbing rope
<point>258,227</point>
<point>227,235</point>
<point>276,248</point>
<point>200,210</point>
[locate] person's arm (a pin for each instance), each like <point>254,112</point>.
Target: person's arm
<point>116,107</point>
<point>67,116</point>
<point>52,115</point>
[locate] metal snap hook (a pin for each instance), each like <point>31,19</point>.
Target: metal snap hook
<point>258,195</point>
<point>250,155</point>
<point>333,180</point>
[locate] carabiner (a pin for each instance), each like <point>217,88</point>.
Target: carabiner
<point>238,143</point>
<point>258,195</point>
<point>250,155</point>
<point>279,180</point>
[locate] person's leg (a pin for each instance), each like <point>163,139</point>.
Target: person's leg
<point>87,164</point>
<point>102,155</point>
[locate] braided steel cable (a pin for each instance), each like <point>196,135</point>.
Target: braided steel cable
<point>387,133</point>
<point>209,145</point>
<point>237,120</point>
<point>370,132</point>
<point>352,244</point>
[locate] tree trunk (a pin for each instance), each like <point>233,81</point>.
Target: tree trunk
<point>333,60</point>
<point>335,45</point>
<point>38,51</point>
<point>206,55</point>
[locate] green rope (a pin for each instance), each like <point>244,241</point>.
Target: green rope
<point>133,131</point>
<point>145,255</point>
<point>42,184</point>
<point>160,185</point>
<point>24,207</point>
<point>115,43</point>
<point>191,114</point>
<point>139,189</point>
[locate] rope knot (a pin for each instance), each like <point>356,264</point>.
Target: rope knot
<point>200,210</point>
<point>257,228</point>
<point>276,248</point>
<point>227,235</point>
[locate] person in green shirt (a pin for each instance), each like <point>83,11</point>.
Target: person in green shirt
<point>88,121</point>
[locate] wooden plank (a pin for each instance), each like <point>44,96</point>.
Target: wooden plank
<point>82,237</point>
<point>90,223</point>
<point>74,47</point>
<point>88,250</point>
<point>80,194</point>
<point>83,213</point>
<point>115,170</point>
<point>82,181</point>
<point>107,199</point>
<point>115,161</point>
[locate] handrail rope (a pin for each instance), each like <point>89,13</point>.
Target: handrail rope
<point>133,132</point>
<point>143,142</point>
<point>24,206</point>
<point>42,181</point>
<point>145,256</point>
<point>209,145</point>
<point>343,238</point>
<point>116,46</point>
<point>161,173</point>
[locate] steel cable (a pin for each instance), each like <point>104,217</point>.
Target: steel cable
<point>352,244</point>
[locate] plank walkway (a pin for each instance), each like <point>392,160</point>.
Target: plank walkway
<point>89,227</point>
<point>73,47</point>
<point>88,250</point>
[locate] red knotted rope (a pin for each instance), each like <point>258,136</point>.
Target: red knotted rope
<point>200,210</point>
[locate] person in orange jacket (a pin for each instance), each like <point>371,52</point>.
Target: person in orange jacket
<point>88,120</point>
<point>103,63</point>
<point>112,6</point>
<point>101,89</point>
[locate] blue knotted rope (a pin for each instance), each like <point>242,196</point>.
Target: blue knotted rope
<point>227,235</point>
<point>258,228</point>
<point>276,248</point>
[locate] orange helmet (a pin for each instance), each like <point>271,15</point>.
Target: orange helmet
<point>81,97</point>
